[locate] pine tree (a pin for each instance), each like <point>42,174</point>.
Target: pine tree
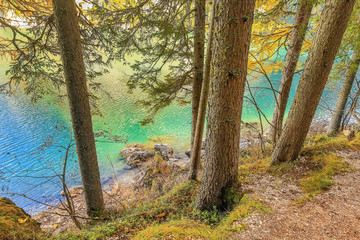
<point>232,31</point>
<point>292,56</point>
<point>327,39</point>
<point>74,72</point>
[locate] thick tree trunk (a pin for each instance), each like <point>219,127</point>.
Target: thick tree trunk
<point>327,39</point>
<point>199,130</point>
<point>74,72</point>
<point>292,56</point>
<point>232,30</point>
<point>199,41</point>
<point>344,94</point>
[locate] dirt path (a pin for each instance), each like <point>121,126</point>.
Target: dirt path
<point>334,214</point>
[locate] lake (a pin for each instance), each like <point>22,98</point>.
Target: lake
<point>32,136</point>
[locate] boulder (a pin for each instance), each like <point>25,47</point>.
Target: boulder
<point>245,143</point>
<point>126,152</point>
<point>182,164</point>
<point>202,156</point>
<point>203,146</point>
<point>132,148</point>
<point>164,150</point>
<point>139,157</point>
<point>15,223</point>
<point>188,153</point>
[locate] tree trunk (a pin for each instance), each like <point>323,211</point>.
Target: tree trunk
<point>199,40</point>
<point>199,130</point>
<point>232,30</point>
<point>344,94</point>
<point>74,72</point>
<point>292,56</point>
<point>326,42</point>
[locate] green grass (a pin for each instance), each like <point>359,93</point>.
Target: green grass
<point>191,229</point>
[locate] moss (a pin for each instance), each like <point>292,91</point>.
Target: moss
<point>326,144</point>
<point>317,165</point>
<point>319,139</point>
<point>233,222</point>
<point>232,197</point>
<point>187,228</point>
<point>253,161</point>
<point>16,224</point>
<point>179,229</point>
<point>94,233</point>
<point>326,165</point>
<point>281,168</point>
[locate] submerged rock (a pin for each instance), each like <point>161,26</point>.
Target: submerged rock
<point>165,151</point>
<point>15,223</point>
<point>139,157</point>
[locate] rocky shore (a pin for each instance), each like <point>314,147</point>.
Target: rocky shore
<point>128,189</point>
<point>151,171</point>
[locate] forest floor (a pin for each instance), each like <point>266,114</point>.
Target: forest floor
<point>333,214</point>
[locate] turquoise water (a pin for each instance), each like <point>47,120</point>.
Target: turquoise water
<point>28,168</point>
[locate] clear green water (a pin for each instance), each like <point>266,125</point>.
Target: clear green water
<point>24,126</point>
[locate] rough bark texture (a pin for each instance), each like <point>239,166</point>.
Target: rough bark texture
<point>232,30</point>
<point>199,40</point>
<point>292,56</point>
<point>326,42</point>
<point>74,72</point>
<point>344,94</point>
<point>199,130</point>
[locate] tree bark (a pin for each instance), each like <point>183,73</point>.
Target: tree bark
<point>301,22</point>
<point>199,130</point>
<point>344,95</point>
<point>199,51</point>
<point>232,30</point>
<point>74,72</point>
<point>327,39</point>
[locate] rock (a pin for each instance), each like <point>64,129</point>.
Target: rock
<point>202,156</point>
<point>132,148</point>
<point>15,223</point>
<point>179,164</point>
<point>245,143</point>
<point>164,150</point>
<point>137,158</point>
<point>188,153</point>
<point>203,146</point>
<point>126,152</point>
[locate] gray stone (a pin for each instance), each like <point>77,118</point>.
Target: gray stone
<point>202,156</point>
<point>188,153</point>
<point>245,143</point>
<point>137,158</point>
<point>182,164</point>
<point>126,152</point>
<point>164,150</point>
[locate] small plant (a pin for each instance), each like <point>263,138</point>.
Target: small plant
<point>210,216</point>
